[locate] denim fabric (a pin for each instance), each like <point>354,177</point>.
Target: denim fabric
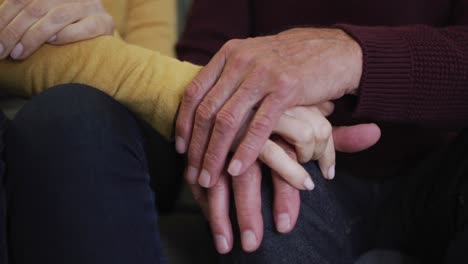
<point>319,235</point>
<point>78,185</point>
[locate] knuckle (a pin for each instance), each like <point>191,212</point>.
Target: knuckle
<point>251,89</point>
<point>226,120</point>
<point>231,45</point>
<point>306,134</point>
<point>327,108</point>
<point>217,220</point>
<point>204,113</point>
<point>247,214</point>
<point>193,91</point>
<point>261,125</point>
<point>304,156</point>
<point>285,79</point>
<point>210,158</point>
<point>324,131</point>
<point>242,58</point>
<point>194,156</point>
<point>36,11</point>
<point>250,147</point>
<point>280,97</point>
<point>60,15</point>
<point>10,35</point>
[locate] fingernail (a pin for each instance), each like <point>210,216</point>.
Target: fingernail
<point>331,172</point>
<point>17,51</point>
<point>284,223</point>
<point>221,244</point>
<point>53,38</point>
<point>2,49</point>
<point>249,240</point>
<point>309,184</point>
<point>235,167</point>
<point>205,179</point>
<point>180,145</point>
<point>192,174</point>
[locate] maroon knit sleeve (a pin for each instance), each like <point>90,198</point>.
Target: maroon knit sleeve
<point>210,24</point>
<point>414,74</point>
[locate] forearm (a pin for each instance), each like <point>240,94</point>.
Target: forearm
<point>148,83</point>
<point>414,74</point>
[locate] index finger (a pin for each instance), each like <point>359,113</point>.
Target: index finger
<point>194,95</point>
<point>286,198</point>
<point>291,171</point>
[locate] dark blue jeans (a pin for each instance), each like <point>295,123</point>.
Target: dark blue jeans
<point>77,183</point>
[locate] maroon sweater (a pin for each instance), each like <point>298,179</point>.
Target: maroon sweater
<point>415,75</point>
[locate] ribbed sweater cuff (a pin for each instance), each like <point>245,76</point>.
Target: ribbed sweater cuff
<point>386,78</point>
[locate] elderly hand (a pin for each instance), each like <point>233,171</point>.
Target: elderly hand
<point>246,188</point>
<point>267,75</point>
<point>27,24</point>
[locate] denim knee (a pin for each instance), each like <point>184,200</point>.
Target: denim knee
<point>77,182</point>
<point>76,109</point>
<point>318,237</point>
<point>77,122</point>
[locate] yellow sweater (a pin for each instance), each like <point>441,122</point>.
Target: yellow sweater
<point>149,83</point>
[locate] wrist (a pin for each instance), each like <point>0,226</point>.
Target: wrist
<point>354,60</point>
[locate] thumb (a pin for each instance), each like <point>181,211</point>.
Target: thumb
<point>356,138</point>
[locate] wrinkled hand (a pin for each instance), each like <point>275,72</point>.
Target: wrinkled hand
<point>266,75</point>
<point>27,24</point>
<point>246,188</point>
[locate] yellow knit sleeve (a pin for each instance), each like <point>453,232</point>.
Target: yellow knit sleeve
<point>152,24</point>
<point>147,82</point>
